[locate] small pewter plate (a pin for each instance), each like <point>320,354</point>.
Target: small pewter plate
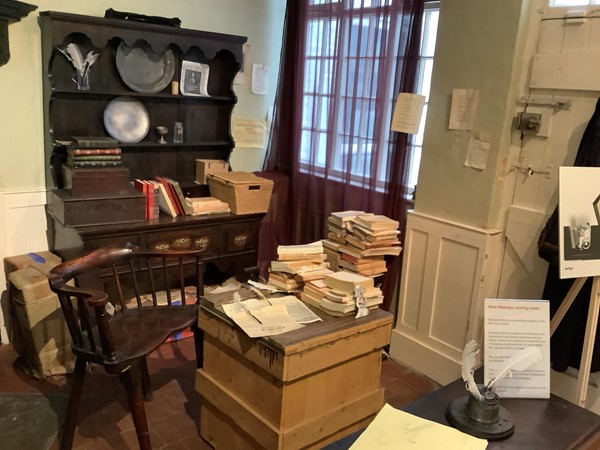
<point>126,119</point>
<point>143,70</point>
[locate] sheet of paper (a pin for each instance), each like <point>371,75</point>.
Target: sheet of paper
<point>296,309</point>
<point>408,112</point>
<point>249,133</point>
<point>260,79</point>
<point>240,77</point>
<point>477,153</point>
<point>510,326</point>
<point>266,321</point>
<point>393,429</point>
<point>463,109</point>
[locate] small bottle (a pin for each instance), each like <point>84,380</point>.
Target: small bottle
<point>178,132</point>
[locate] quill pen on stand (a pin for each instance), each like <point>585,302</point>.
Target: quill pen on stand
<point>522,360</point>
<point>469,360</point>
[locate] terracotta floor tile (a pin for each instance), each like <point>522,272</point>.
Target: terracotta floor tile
<point>173,415</point>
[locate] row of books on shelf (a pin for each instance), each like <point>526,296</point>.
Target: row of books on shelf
<point>165,195</point>
<point>94,158</point>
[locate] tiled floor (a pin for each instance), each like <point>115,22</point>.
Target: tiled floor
<point>104,422</point>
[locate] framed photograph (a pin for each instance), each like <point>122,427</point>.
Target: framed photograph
<point>194,79</point>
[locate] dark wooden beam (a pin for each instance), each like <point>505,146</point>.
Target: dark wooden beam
<point>10,11</point>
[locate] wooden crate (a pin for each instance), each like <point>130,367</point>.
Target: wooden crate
<point>303,389</point>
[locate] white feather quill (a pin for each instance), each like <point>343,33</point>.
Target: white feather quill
<point>522,360</point>
<point>469,360</point>
<point>73,53</point>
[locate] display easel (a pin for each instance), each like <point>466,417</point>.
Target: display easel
<point>590,331</point>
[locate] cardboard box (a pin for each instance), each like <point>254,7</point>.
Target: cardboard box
<point>207,166</point>
<point>17,262</point>
<point>244,192</point>
<point>12,263</point>
<point>45,343</point>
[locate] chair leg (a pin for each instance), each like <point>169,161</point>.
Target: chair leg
<point>146,384</point>
<point>131,380</point>
<point>199,344</point>
<point>68,432</point>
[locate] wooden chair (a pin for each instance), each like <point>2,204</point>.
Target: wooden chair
<point>139,324</point>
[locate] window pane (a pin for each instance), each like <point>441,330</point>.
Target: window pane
<point>430,32</point>
<point>569,2</point>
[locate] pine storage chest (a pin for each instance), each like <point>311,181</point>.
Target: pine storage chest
<point>302,389</point>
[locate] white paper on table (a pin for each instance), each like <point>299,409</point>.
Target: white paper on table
<point>511,326</point>
<point>393,429</point>
<point>477,153</point>
<point>408,112</point>
<point>463,109</point>
<point>267,321</point>
<point>260,79</point>
<point>296,309</point>
<point>249,133</point>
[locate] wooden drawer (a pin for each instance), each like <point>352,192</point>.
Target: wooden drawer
<point>240,237</point>
<point>206,238</point>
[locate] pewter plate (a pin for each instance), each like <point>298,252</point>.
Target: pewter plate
<point>126,119</point>
<point>143,70</point>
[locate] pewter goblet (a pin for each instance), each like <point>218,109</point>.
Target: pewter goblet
<point>162,131</point>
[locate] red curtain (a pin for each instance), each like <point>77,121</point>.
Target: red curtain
<point>343,62</point>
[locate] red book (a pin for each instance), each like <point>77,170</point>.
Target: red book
<point>140,185</point>
<point>150,199</point>
<point>171,194</point>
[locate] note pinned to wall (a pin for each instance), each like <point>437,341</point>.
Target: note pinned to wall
<point>240,77</point>
<point>408,112</point>
<point>249,133</point>
<point>477,153</point>
<point>463,109</point>
<point>260,79</point>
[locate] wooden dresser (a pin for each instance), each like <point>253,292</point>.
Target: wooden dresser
<point>103,214</point>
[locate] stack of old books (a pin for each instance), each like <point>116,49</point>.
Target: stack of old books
<point>358,242</point>
<point>339,299</point>
<point>207,205</point>
<point>338,226</point>
<point>298,264</point>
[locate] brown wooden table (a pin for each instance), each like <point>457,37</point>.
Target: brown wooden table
<point>552,423</point>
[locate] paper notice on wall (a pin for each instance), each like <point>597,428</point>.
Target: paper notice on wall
<point>477,153</point>
<point>463,109</point>
<point>509,327</point>
<point>249,133</point>
<point>408,112</point>
<point>240,77</point>
<point>260,79</point>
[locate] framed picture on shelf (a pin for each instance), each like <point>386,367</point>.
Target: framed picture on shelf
<point>194,79</point>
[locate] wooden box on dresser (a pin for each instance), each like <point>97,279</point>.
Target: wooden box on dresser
<point>78,222</point>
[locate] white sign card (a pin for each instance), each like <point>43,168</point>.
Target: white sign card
<point>578,219</point>
<point>408,112</point>
<point>260,79</point>
<point>463,109</point>
<point>511,326</point>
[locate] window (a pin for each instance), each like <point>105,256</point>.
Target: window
<point>429,33</point>
<point>349,70</point>
<point>574,2</point>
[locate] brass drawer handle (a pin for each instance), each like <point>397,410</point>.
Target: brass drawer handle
<point>182,243</point>
<point>161,246</point>
<point>240,240</point>
<point>202,242</point>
